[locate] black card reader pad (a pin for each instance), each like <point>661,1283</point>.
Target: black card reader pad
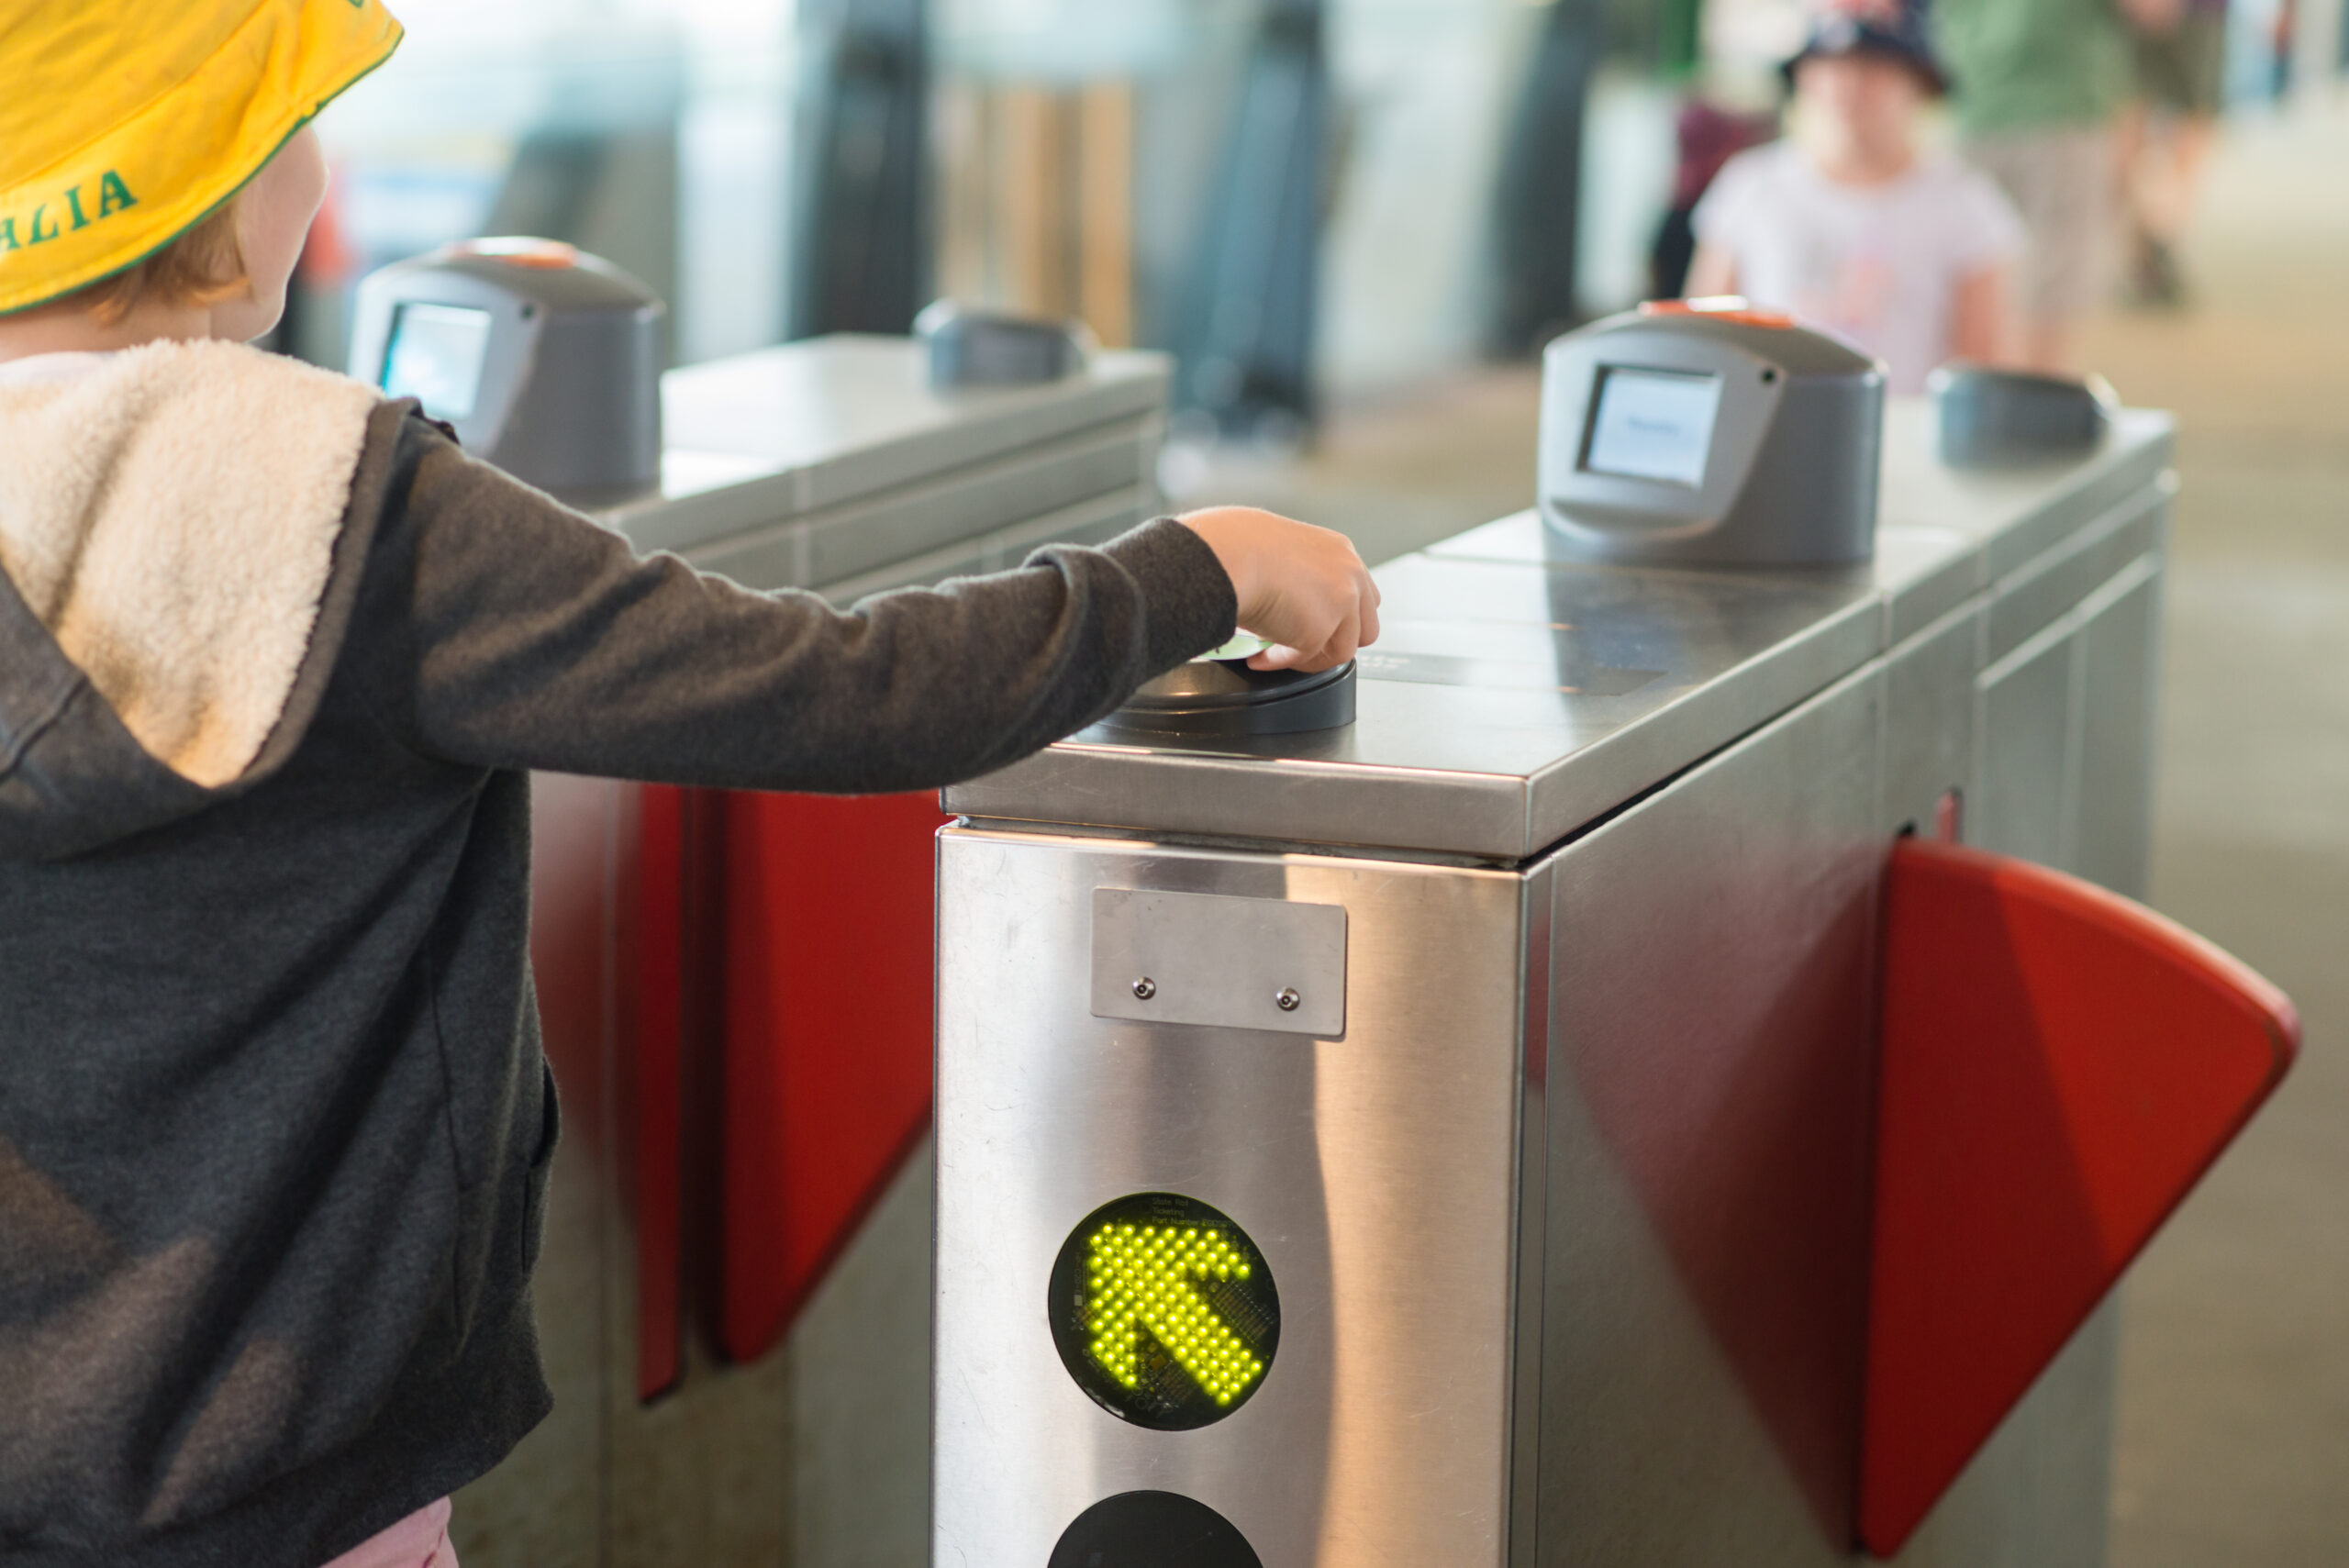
<point>1224,699</point>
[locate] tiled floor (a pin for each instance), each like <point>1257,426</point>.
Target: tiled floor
<point>2234,1404</point>
<point>2234,1409</point>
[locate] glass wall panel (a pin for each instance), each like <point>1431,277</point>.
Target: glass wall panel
<point>1427,91</point>
<point>656,135</point>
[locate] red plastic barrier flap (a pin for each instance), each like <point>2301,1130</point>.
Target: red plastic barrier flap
<point>652,955</point>
<point>829,917</point>
<point>2060,1066</point>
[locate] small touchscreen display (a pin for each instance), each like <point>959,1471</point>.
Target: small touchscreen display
<point>1649,424</point>
<point>436,357</point>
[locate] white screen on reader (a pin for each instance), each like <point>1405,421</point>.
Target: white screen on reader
<point>1653,424</point>
<point>436,357</point>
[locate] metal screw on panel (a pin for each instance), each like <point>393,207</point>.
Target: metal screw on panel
<point>1145,988</point>
<point>1286,999</point>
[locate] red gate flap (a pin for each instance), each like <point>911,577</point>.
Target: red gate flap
<point>830,914</point>
<point>2060,1066</point>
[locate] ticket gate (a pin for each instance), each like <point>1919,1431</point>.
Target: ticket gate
<point>1452,1137</point>
<point>1560,791</point>
<point>735,988</point>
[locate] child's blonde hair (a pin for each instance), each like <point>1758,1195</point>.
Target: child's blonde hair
<point>203,266</point>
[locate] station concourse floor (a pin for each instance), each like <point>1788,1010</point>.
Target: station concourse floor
<point>2234,1421</point>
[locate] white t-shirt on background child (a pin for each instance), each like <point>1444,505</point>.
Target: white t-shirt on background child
<point>1878,265</point>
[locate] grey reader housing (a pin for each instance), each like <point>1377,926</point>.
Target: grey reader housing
<point>1991,418</point>
<point>1708,433</point>
<point>546,361</point>
<point>971,347</point>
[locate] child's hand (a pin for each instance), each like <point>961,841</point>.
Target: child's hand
<point>1301,588</point>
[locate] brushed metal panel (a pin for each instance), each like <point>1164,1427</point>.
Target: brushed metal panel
<point>2067,1523</point>
<point>822,423</point>
<point>1578,789</point>
<point>1094,521</point>
<point>2037,1494</point>
<point>2018,513</point>
<point>911,520</point>
<point>1929,725</point>
<point>605,1479</point>
<point>2064,774</point>
<point>2052,585</point>
<point>2026,750</point>
<point>547,1502</point>
<point>2105,486</point>
<point>2121,658</point>
<point>858,1464</point>
<point>852,414</point>
<point>1296,800</point>
<point>1002,494</point>
<point>843,415</point>
<point>1207,960</point>
<point>1690,1233</point>
<point>1541,959</point>
<point>1709,1085</point>
<point>1922,574</point>
<point>1378,1175</point>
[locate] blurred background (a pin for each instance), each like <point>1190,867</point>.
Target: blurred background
<point>1353,222</point>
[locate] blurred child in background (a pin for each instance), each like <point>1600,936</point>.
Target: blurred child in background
<point>1708,136</point>
<point>1851,224</point>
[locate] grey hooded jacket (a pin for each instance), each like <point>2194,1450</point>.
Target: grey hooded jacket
<point>273,1118</point>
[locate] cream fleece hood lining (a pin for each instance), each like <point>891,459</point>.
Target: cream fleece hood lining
<point>169,516</point>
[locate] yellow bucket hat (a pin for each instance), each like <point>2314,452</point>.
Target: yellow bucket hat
<point>126,122</point>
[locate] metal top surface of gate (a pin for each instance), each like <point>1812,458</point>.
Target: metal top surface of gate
<point>819,425</point>
<point>1514,698</point>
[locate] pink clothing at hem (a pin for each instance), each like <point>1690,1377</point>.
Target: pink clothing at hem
<point>419,1541</point>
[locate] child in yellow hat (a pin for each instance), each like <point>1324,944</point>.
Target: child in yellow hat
<point>274,656</point>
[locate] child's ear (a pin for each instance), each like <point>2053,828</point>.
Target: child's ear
<point>274,212</point>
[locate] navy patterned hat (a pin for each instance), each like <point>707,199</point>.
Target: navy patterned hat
<point>1893,30</point>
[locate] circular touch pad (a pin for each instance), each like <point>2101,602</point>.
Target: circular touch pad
<point>1223,698</point>
<point>1153,1529</point>
<point>1163,1311</point>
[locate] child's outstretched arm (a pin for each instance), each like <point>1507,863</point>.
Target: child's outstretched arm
<point>494,628</point>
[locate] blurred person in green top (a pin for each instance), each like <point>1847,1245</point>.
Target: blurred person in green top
<point>2180,48</point>
<point>2040,85</point>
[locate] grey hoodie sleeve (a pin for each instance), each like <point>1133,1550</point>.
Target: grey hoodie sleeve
<point>500,630</point>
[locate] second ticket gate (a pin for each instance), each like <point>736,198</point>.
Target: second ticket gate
<point>735,987</point>
<point>1451,1138</point>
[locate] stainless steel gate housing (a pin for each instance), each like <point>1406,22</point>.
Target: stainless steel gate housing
<point>1570,1220</point>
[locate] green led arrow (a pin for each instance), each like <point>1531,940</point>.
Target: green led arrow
<point>1140,1279</point>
